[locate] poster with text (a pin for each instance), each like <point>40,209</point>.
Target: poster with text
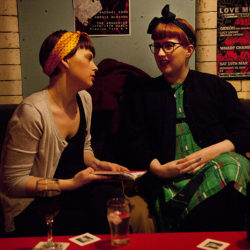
<point>233,39</point>
<point>102,17</point>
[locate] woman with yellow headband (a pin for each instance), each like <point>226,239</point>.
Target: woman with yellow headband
<point>48,136</point>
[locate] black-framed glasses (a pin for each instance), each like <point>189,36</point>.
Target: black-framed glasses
<point>168,47</point>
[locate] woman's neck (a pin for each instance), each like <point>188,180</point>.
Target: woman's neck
<point>61,97</point>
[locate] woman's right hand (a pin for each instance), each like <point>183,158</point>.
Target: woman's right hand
<point>80,179</point>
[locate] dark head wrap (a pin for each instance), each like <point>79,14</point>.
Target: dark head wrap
<point>169,17</point>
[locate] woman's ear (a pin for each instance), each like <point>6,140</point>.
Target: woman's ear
<point>190,50</point>
<point>64,63</point>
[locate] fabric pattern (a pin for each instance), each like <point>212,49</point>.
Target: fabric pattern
<point>184,193</point>
<point>63,47</point>
<point>185,143</point>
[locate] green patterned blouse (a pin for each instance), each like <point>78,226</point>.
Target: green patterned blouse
<point>180,195</point>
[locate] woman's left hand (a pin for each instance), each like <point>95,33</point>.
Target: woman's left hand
<point>105,165</point>
<point>91,161</point>
<point>193,162</point>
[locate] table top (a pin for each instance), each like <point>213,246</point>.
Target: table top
<point>159,241</point>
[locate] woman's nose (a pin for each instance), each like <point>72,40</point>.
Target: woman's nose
<point>161,52</point>
<point>95,67</point>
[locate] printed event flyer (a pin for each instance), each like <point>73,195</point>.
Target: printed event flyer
<point>233,39</point>
<point>102,17</point>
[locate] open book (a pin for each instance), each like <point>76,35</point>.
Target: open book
<point>132,175</point>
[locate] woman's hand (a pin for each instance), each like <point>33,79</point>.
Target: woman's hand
<point>105,165</point>
<point>91,161</point>
<point>80,179</point>
<point>87,175</point>
<point>175,168</point>
<point>168,170</point>
<point>192,163</point>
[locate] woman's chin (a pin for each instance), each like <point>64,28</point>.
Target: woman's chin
<point>88,85</point>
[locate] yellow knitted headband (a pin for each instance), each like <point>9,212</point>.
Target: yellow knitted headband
<point>63,47</point>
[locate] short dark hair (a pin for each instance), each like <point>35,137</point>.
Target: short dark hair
<point>50,42</point>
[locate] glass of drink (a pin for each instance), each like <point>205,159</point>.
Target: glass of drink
<point>118,214</point>
<point>248,212</point>
<point>47,198</point>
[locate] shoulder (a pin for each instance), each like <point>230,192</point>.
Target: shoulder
<point>209,85</point>
<point>193,74</point>
<point>35,103</point>
<point>32,111</point>
<point>37,97</point>
<point>206,79</point>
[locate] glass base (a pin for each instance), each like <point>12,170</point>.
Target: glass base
<point>49,245</point>
<point>119,242</point>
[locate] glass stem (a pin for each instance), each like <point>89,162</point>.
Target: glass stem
<point>123,189</point>
<point>49,225</point>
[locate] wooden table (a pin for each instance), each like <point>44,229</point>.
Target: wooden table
<point>155,241</point>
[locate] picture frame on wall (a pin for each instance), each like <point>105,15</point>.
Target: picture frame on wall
<point>233,45</point>
<point>102,18</point>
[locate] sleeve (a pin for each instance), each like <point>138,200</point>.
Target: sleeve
<point>20,149</point>
<point>237,119</point>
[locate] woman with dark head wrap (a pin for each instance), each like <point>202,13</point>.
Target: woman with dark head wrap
<point>190,131</point>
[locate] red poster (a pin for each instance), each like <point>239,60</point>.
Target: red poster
<point>233,39</point>
<point>102,17</point>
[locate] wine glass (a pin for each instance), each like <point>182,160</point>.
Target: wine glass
<point>47,198</point>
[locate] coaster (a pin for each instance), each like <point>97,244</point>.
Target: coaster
<point>210,244</point>
<point>84,239</point>
<point>38,246</point>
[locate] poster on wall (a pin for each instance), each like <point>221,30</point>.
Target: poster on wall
<point>233,39</point>
<point>102,17</point>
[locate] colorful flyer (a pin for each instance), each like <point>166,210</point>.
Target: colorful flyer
<point>233,39</point>
<point>102,18</point>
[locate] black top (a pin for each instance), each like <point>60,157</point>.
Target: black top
<point>68,166</point>
<point>213,112</point>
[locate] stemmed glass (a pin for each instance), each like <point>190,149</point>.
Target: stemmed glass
<point>47,198</point>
